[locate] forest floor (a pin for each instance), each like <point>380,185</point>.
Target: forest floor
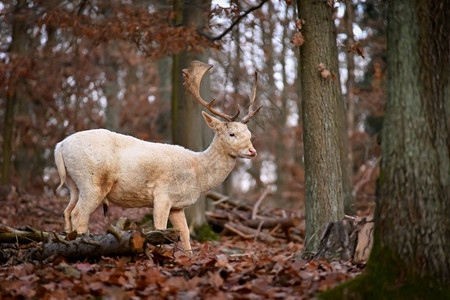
<point>231,268</point>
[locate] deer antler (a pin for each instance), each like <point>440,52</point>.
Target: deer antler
<point>192,78</point>
<point>252,112</point>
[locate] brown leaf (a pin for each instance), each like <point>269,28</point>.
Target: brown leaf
<point>356,48</point>
<point>299,23</point>
<point>298,39</point>
<point>325,73</point>
<point>215,280</point>
<point>138,240</point>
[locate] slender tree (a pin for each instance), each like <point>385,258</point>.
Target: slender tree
<point>320,105</point>
<point>410,257</point>
<point>18,50</point>
<point>188,127</point>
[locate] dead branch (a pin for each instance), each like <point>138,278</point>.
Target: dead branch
<point>262,236</point>
<point>258,202</point>
<point>235,22</point>
<point>114,243</point>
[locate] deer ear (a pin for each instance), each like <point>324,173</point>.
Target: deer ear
<point>213,123</point>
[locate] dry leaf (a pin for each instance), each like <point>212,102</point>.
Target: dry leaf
<point>299,23</point>
<point>322,67</point>
<point>298,39</point>
<point>325,73</point>
<point>355,48</point>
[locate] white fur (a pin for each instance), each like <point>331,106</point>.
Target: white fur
<point>99,164</point>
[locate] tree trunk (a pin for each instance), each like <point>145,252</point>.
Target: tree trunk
<point>18,48</point>
<point>349,203</point>
<point>320,104</point>
<point>344,146</point>
<point>188,127</point>
<point>112,87</point>
<point>414,175</point>
<point>164,93</point>
<point>410,258</point>
<point>7,133</point>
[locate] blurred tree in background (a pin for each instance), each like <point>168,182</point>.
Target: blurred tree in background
<point>67,66</point>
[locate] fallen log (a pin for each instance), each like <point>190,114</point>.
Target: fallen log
<point>116,242</point>
<point>130,243</point>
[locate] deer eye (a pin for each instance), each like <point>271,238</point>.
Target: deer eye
<point>232,134</point>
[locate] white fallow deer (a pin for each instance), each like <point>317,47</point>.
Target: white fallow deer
<point>99,165</point>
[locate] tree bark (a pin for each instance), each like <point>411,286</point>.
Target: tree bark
<point>414,175</point>
<point>410,257</point>
<point>17,49</point>
<point>320,105</point>
<point>115,242</point>
<point>188,127</point>
<point>346,156</point>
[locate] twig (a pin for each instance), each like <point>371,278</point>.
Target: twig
<point>17,239</point>
<point>218,37</point>
<point>258,202</point>
<point>241,234</point>
<point>59,239</point>
<point>92,243</point>
<point>115,232</point>
<point>46,209</point>
<point>366,176</point>
<point>258,230</point>
<point>275,229</point>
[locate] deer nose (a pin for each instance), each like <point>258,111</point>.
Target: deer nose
<point>252,152</point>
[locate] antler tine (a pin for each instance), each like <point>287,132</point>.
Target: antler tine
<point>252,112</point>
<point>192,78</point>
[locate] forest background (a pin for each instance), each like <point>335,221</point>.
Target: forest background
<point>70,66</point>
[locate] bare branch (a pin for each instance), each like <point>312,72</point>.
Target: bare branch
<point>235,22</point>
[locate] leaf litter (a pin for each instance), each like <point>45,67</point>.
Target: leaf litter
<point>231,268</point>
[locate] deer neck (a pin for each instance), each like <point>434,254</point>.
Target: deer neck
<point>214,166</point>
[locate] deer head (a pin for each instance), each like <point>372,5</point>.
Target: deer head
<point>233,136</point>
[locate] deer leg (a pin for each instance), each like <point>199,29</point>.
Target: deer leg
<point>73,191</point>
<point>178,220</point>
<point>88,201</point>
<point>161,209</point>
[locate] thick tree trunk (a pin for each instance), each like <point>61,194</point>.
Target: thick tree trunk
<point>410,258</point>
<point>414,175</point>
<point>320,105</point>
<point>188,127</point>
<point>17,49</point>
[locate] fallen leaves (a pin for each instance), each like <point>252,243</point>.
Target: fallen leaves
<point>230,268</point>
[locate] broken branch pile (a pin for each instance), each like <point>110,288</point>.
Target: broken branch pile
<point>249,222</point>
<point>116,242</point>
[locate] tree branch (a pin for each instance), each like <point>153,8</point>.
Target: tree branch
<point>235,22</point>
